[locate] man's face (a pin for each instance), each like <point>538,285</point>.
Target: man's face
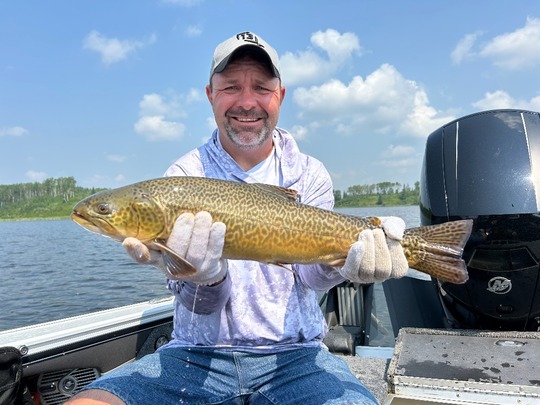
<point>246,99</point>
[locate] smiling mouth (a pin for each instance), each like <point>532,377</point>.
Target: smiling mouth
<point>246,120</point>
<point>247,117</point>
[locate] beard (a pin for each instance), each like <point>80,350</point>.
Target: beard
<point>247,137</point>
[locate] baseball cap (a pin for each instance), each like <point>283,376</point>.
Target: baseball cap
<point>226,49</point>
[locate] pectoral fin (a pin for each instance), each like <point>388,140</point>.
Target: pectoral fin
<point>177,266</point>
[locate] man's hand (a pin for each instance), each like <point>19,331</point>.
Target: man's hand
<point>192,253</point>
<point>377,255</point>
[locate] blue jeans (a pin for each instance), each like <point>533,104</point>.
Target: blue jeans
<point>175,375</point>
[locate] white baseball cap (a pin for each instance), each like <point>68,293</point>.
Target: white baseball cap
<point>226,49</point>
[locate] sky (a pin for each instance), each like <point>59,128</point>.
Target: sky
<point>112,92</point>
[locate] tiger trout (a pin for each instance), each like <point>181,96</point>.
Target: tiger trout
<point>264,223</point>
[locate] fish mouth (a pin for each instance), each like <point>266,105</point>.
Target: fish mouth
<point>96,225</point>
<point>78,218</point>
<point>85,222</point>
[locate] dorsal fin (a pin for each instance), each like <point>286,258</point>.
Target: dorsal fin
<point>277,191</point>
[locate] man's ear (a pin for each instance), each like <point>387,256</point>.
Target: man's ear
<point>209,93</point>
<point>283,91</point>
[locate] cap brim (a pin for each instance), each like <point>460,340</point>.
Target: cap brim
<point>220,67</point>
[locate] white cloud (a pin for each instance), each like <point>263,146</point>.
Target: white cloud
<point>299,132</point>
<point>193,31</point>
<point>36,176</point>
<point>399,150</point>
<point>399,156</point>
<point>385,102</point>
<point>157,128</point>
<point>116,158</point>
<point>517,50</point>
<point>159,115</point>
<point>309,65</point>
<point>171,105</point>
<point>12,131</point>
<point>501,99</point>
<point>463,49</point>
<point>113,50</point>
<point>153,104</point>
<point>423,119</point>
<point>211,122</point>
<point>339,47</point>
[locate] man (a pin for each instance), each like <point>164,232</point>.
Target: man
<point>245,332</point>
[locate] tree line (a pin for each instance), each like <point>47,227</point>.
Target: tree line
<point>64,187</point>
<point>384,193</point>
<point>385,187</point>
<point>52,198</point>
<point>55,197</point>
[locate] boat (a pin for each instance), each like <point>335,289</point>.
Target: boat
<point>478,343</point>
<point>61,357</point>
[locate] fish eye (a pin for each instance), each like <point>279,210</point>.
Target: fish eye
<point>103,208</point>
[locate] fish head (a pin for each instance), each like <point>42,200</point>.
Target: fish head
<point>129,211</point>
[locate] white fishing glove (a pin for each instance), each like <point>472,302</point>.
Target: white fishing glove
<point>378,255</point>
<point>193,251</point>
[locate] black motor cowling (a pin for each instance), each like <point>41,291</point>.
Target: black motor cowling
<point>486,166</point>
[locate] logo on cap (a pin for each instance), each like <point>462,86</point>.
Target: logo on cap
<point>249,37</point>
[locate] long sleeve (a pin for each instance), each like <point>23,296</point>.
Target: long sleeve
<point>201,299</point>
<point>319,277</point>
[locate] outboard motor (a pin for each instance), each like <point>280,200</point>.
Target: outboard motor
<point>486,166</point>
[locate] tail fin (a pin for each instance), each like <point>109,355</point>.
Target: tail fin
<point>437,250</point>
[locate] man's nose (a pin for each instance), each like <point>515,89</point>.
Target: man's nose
<point>247,99</point>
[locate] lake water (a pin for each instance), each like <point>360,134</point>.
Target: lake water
<point>55,269</point>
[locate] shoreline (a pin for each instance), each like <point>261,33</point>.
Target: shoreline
<point>68,217</point>
<point>33,219</point>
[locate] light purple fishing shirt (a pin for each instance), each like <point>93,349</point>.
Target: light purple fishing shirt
<point>257,307</point>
